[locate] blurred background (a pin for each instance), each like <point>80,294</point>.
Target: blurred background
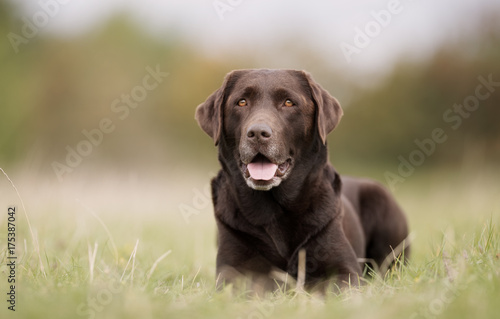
<point>97,133</point>
<point>397,67</point>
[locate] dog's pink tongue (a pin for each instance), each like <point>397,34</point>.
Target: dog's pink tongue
<point>262,170</point>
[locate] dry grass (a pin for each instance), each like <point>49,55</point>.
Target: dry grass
<point>146,261</point>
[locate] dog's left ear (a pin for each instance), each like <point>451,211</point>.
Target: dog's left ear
<point>209,113</point>
<point>328,110</point>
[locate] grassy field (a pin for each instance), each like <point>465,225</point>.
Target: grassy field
<point>128,249</point>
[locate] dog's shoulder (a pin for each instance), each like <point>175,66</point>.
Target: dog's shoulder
<point>224,200</point>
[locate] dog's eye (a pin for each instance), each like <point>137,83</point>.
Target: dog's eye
<point>288,103</point>
<point>242,102</point>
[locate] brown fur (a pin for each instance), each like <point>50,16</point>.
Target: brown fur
<point>262,225</point>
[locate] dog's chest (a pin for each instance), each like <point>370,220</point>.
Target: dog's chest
<point>283,238</point>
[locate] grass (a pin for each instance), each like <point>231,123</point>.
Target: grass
<point>116,252</point>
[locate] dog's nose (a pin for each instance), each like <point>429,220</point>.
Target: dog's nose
<point>259,131</point>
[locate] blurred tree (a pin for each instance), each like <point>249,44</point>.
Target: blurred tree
<point>382,122</point>
<point>54,88</point>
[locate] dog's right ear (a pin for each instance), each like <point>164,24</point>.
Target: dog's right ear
<point>209,114</point>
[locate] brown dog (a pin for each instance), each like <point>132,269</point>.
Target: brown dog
<point>277,194</point>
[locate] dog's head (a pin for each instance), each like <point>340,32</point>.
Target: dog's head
<point>267,118</point>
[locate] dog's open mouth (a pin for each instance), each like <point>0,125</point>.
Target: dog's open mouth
<point>262,174</point>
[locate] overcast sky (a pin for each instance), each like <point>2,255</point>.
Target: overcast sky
<point>394,27</point>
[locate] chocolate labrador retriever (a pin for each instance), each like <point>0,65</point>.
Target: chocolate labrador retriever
<point>277,194</point>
